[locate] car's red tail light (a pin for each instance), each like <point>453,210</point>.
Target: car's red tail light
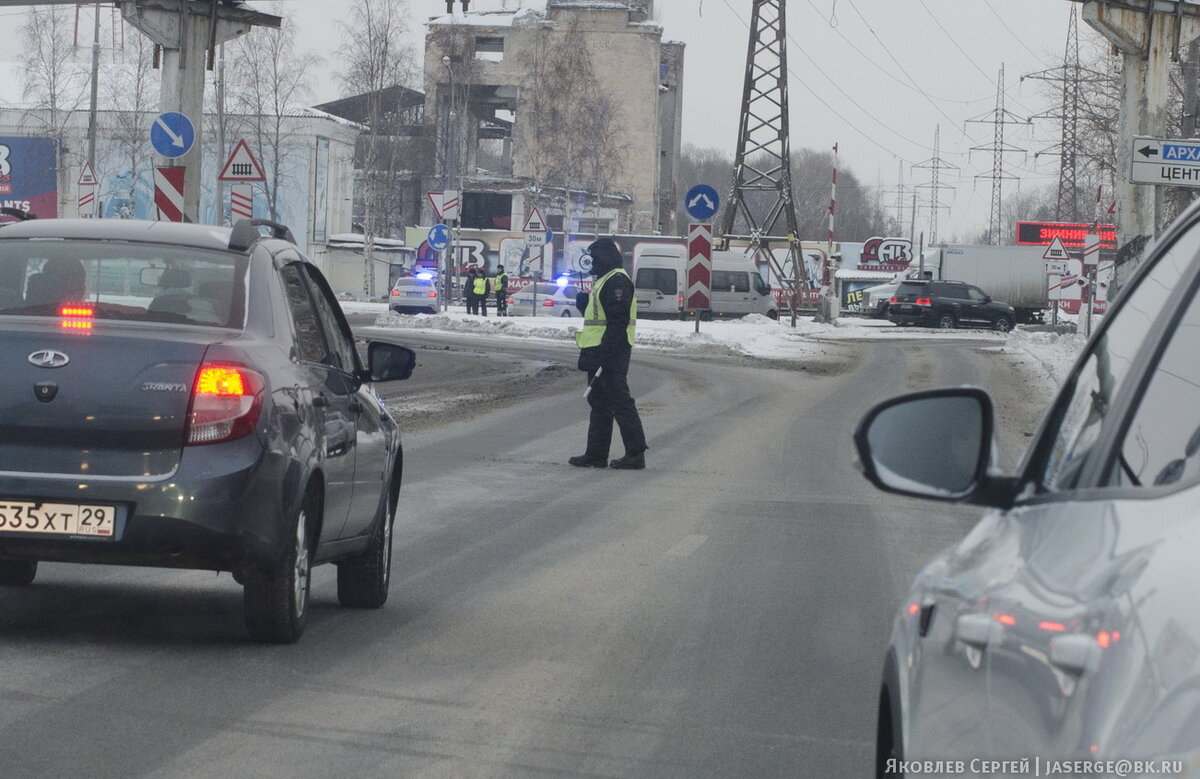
<point>395,293</point>
<point>510,300</point>
<point>893,300</point>
<point>548,302</point>
<point>226,401</point>
<point>432,294</point>
<point>923,302</point>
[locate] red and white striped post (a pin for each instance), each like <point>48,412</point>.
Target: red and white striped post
<point>699,270</point>
<point>168,193</point>
<point>241,202</point>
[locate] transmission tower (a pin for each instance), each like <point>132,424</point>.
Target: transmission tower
<point>935,164</point>
<point>999,118</point>
<point>763,161</point>
<point>1070,78</point>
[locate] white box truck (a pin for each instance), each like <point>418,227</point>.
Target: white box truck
<point>1012,274</point>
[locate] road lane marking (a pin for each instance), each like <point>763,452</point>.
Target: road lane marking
<point>685,547</point>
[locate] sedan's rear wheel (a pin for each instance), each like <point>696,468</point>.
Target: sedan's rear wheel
<point>17,573</point>
<point>363,581</point>
<point>946,321</point>
<point>566,313</point>
<point>276,602</point>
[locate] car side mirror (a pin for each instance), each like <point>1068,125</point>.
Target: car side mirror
<point>933,444</point>
<point>389,362</point>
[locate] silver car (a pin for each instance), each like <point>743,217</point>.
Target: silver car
<point>1063,629</point>
<point>415,295</point>
<point>544,300</point>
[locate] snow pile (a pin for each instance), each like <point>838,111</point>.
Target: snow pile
<point>1054,352</point>
<point>1051,354</point>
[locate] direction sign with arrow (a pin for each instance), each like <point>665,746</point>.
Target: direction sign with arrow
<point>701,202</point>
<point>1174,163</point>
<point>172,134</point>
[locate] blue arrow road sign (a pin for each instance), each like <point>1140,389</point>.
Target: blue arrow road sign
<point>439,237</point>
<point>701,202</point>
<point>172,134</point>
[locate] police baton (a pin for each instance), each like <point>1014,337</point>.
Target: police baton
<point>595,376</point>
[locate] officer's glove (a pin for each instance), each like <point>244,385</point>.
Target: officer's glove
<point>581,301</point>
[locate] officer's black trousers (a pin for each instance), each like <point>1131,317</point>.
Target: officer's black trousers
<point>501,304</point>
<point>610,401</point>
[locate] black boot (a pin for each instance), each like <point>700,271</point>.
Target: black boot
<point>630,462</point>
<point>587,461</point>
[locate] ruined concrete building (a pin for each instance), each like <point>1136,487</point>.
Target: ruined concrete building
<point>574,108</point>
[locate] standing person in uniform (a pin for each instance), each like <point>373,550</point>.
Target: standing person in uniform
<point>500,285</point>
<point>480,288</point>
<point>605,345</point>
<point>469,291</point>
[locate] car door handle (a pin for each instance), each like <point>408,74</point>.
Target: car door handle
<point>977,630</point>
<point>320,401</point>
<point>1074,654</point>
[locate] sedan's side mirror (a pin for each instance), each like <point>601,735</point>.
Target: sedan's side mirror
<point>389,362</point>
<point>933,444</point>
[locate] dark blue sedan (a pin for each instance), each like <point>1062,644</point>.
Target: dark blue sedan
<point>191,396</point>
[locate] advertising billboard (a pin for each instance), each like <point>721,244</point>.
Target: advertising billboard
<point>28,176</point>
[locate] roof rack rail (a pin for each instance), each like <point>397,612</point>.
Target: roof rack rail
<point>18,213</point>
<point>246,233</point>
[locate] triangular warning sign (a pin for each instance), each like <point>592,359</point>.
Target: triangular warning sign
<point>1056,250</point>
<point>241,166</point>
<point>535,223</point>
<point>86,177</point>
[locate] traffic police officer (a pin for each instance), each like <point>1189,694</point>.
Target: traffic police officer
<point>500,286</point>
<point>606,343</point>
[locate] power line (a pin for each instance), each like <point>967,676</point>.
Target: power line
<point>887,72</point>
<point>962,51</point>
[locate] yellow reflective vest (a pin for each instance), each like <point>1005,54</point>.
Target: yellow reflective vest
<point>480,286</point>
<point>595,320</point>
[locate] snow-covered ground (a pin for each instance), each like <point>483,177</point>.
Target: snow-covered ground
<point>1049,354</point>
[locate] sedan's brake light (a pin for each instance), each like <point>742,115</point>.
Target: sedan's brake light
<point>76,316</point>
<point>226,401</point>
<point>432,294</point>
<point>548,302</point>
<point>395,293</point>
<point>894,300</point>
<point>923,302</point>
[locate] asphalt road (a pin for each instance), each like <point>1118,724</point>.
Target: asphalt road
<point>722,613</point>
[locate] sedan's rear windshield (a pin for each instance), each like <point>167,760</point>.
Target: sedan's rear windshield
<point>545,290</point>
<point>413,283</point>
<point>126,281</point>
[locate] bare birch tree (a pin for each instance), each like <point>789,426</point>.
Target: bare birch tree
<point>54,79</point>
<point>377,57</point>
<point>131,91</point>
<point>271,82</point>
<point>571,125</point>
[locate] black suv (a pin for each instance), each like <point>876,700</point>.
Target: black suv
<point>948,304</point>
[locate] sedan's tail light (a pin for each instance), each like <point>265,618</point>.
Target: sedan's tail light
<point>548,302</point>
<point>510,300</point>
<point>395,293</point>
<point>923,302</point>
<point>226,401</point>
<point>432,294</point>
<point>893,300</point>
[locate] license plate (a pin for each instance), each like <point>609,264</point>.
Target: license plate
<point>70,519</point>
<point>415,294</point>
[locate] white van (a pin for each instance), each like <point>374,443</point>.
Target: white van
<point>660,279</point>
<point>659,273</point>
<point>738,288</point>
